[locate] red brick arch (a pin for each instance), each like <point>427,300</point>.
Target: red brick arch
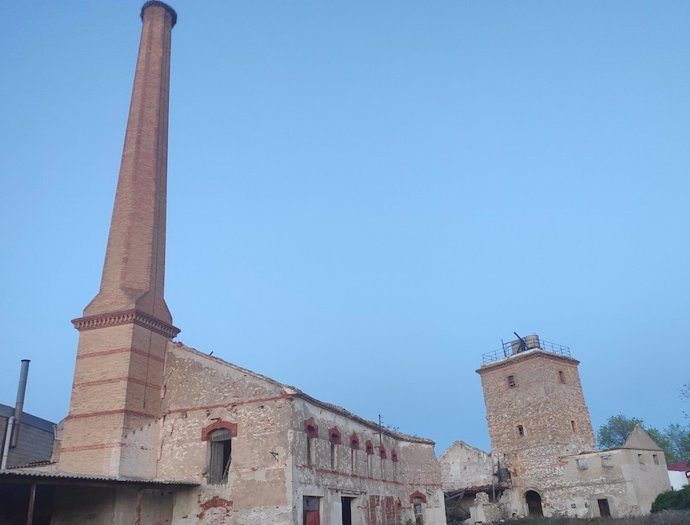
<point>354,442</point>
<point>334,436</point>
<point>369,446</point>
<point>232,427</point>
<point>417,495</point>
<point>311,428</point>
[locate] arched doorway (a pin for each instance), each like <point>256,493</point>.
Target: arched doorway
<point>533,500</point>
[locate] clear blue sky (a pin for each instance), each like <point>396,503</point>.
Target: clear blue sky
<point>364,196</point>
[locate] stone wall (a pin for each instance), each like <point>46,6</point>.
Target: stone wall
<point>380,473</point>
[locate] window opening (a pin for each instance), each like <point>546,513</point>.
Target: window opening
<point>582,464</point>
<point>511,381</point>
<point>312,431</point>
<point>561,377</point>
<point>640,459</point>
<point>521,431</point>
<point>418,513</point>
<point>220,457</point>
<point>606,462</point>
<point>572,425</point>
<point>655,458</point>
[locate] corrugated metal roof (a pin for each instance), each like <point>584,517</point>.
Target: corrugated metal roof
<point>28,419</point>
<point>27,473</point>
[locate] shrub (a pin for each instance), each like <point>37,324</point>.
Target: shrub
<point>672,500</point>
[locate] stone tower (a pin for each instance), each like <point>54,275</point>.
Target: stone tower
<point>125,328</point>
<point>535,408</point>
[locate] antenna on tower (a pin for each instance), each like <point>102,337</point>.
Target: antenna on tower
<point>523,345</point>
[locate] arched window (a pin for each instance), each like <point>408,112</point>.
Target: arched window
<point>220,441</point>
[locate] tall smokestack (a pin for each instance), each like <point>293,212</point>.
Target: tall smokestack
<point>125,329</point>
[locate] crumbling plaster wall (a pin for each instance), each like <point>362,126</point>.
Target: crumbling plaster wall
<point>464,466</point>
<point>199,391</point>
<point>382,489</point>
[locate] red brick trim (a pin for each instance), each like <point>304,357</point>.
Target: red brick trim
<point>417,495</point>
<point>382,452</point>
<point>133,316</point>
<point>369,446</point>
<point>334,436</point>
<point>394,455</point>
<point>311,428</point>
<point>357,476</point>
<point>117,380</point>
<point>90,447</point>
<point>121,351</point>
<point>215,502</point>
<point>110,413</point>
<point>232,427</point>
<point>354,442</point>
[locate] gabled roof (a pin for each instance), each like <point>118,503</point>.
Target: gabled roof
<point>639,439</point>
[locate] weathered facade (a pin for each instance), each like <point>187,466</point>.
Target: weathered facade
<point>541,436</point>
<point>158,432</point>
<point>287,457</point>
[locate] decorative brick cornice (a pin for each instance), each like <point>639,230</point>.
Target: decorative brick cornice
<point>93,322</point>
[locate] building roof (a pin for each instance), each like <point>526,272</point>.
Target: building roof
<point>28,419</point>
<point>679,466</point>
<point>296,392</point>
<point>639,439</point>
<point>58,477</point>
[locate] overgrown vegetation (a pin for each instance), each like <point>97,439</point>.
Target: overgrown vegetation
<point>674,440</point>
<point>672,500</point>
<point>660,518</point>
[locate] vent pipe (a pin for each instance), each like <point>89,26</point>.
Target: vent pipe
<point>13,423</point>
<point>21,390</point>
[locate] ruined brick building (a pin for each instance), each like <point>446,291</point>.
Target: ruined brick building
<point>544,459</point>
<point>158,432</point>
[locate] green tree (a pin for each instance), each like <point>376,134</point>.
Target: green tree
<point>674,440</point>
<point>662,439</point>
<point>615,431</point>
<point>679,437</point>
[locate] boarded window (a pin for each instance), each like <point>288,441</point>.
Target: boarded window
<point>311,510</point>
<point>220,455</point>
<point>511,381</point>
<point>606,462</point>
<point>582,464</point>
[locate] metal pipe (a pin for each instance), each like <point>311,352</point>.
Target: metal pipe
<point>19,405</point>
<point>21,390</point>
<point>32,503</point>
<point>6,447</point>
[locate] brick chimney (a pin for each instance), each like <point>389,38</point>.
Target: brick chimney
<point>125,328</point>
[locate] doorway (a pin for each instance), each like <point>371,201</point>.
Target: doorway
<point>604,510</point>
<point>347,510</point>
<point>533,500</point>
